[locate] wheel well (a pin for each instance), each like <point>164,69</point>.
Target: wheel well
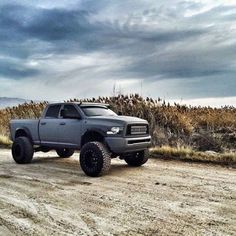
<point>91,136</point>
<point>22,133</point>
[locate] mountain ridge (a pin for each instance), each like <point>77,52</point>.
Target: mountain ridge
<point>10,102</point>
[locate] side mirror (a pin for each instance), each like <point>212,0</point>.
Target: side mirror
<point>67,115</point>
<point>120,113</point>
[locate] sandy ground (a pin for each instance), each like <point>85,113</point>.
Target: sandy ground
<point>52,196</point>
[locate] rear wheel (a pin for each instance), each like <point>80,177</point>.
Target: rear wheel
<point>22,150</point>
<point>65,152</point>
<point>137,158</point>
<point>95,159</point>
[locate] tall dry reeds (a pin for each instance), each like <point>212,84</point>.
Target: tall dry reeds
<point>169,125</point>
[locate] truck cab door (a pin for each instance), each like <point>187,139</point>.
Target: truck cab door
<point>69,130</point>
<point>48,126</point>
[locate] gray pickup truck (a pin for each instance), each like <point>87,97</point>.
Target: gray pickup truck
<point>98,132</point>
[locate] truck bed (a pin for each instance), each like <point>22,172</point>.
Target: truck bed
<point>29,124</point>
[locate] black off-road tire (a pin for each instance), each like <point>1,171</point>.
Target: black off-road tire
<point>137,158</point>
<point>22,150</point>
<point>65,152</point>
<point>95,159</point>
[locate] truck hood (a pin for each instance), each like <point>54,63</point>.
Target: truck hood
<point>120,119</point>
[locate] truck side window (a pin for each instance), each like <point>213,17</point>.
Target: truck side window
<point>71,110</point>
<point>53,111</point>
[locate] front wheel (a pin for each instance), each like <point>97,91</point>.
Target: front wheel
<point>137,158</point>
<point>22,150</point>
<point>65,152</point>
<point>95,159</point>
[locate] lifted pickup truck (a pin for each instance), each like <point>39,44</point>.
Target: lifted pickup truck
<point>98,132</point>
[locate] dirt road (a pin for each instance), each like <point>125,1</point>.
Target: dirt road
<point>52,196</point>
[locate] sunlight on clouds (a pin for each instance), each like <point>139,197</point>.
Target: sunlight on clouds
<point>32,63</point>
<point>207,6</point>
<point>86,60</point>
<point>203,9</point>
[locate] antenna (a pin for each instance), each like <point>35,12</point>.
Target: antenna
<point>141,87</point>
<point>114,89</point>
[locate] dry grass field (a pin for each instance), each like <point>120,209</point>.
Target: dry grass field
<point>197,128</point>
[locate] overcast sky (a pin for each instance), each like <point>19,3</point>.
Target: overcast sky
<point>177,50</point>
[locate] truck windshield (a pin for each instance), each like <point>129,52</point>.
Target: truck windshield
<point>97,111</point>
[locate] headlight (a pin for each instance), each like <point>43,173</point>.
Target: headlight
<point>114,130</point>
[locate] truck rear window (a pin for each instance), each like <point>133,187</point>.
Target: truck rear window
<point>53,111</point>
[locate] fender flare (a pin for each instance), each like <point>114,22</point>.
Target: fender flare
<point>95,130</point>
<point>26,131</point>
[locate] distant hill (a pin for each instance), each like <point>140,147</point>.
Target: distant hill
<point>10,102</point>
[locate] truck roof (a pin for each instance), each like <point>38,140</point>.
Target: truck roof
<point>82,104</point>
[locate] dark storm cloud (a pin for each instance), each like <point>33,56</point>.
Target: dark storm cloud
<point>151,40</point>
<point>185,63</point>
<point>18,23</point>
<point>15,70</point>
<point>56,24</point>
<point>60,27</point>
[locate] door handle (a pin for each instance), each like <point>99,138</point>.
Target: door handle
<point>62,123</point>
<point>43,123</point>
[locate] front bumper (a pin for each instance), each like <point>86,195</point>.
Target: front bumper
<point>124,144</point>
